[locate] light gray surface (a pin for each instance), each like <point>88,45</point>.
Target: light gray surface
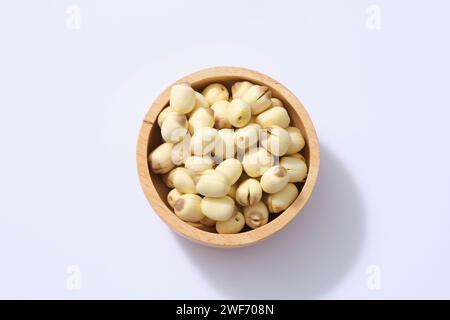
<point>71,105</point>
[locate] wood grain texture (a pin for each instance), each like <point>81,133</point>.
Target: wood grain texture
<point>156,192</point>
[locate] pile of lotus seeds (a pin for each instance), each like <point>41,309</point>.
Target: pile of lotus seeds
<point>230,161</point>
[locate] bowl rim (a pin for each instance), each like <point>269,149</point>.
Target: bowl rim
<point>215,239</point>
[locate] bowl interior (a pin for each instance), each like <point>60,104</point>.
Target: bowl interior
<point>155,138</point>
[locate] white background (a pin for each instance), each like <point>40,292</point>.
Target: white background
<point>72,101</point>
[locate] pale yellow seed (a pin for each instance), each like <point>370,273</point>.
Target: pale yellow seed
<point>220,109</point>
<point>233,225</point>
<point>276,140</point>
<point>198,164</point>
<point>280,201</point>
<point>232,192</point>
<point>213,184</point>
<point>165,179</point>
<point>239,113</point>
<point>218,209</point>
<point>202,117</point>
<point>239,88</point>
<point>182,98</point>
<point>295,167</point>
<point>254,93</point>
<point>174,127</point>
<point>256,161</point>
<point>274,179</point>
<point>256,215</point>
<point>225,147</point>
<point>248,192</point>
<point>276,116</point>
<point>173,196</point>
<point>203,141</point>
<point>215,92</point>
<point>160,159</point>
<point>247,137</point>
<point>198,175</point>
<point>276,102</point>
<point>259,98</point>
<point>200,102</point>
<point>162,115</point>
<point>231,168</point>
<point>181,150</point>
<point>168,177</point>
<point>262,104</point>
<point>297,140</point>
<point>298,156</point>
<point>183,181</point>
<point>188,208</point>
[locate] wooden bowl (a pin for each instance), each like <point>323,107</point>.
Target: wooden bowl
<point>156,191</point>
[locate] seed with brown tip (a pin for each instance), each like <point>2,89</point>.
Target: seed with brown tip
<point>179,205</point>
<point>174,127</point>
<point>281,200</point>
<point>187,208</point>
<point>274,179</point>
<point>160,159</point>
<point>220,109</point>
<point>256,215</point>
<point>173,196</point>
